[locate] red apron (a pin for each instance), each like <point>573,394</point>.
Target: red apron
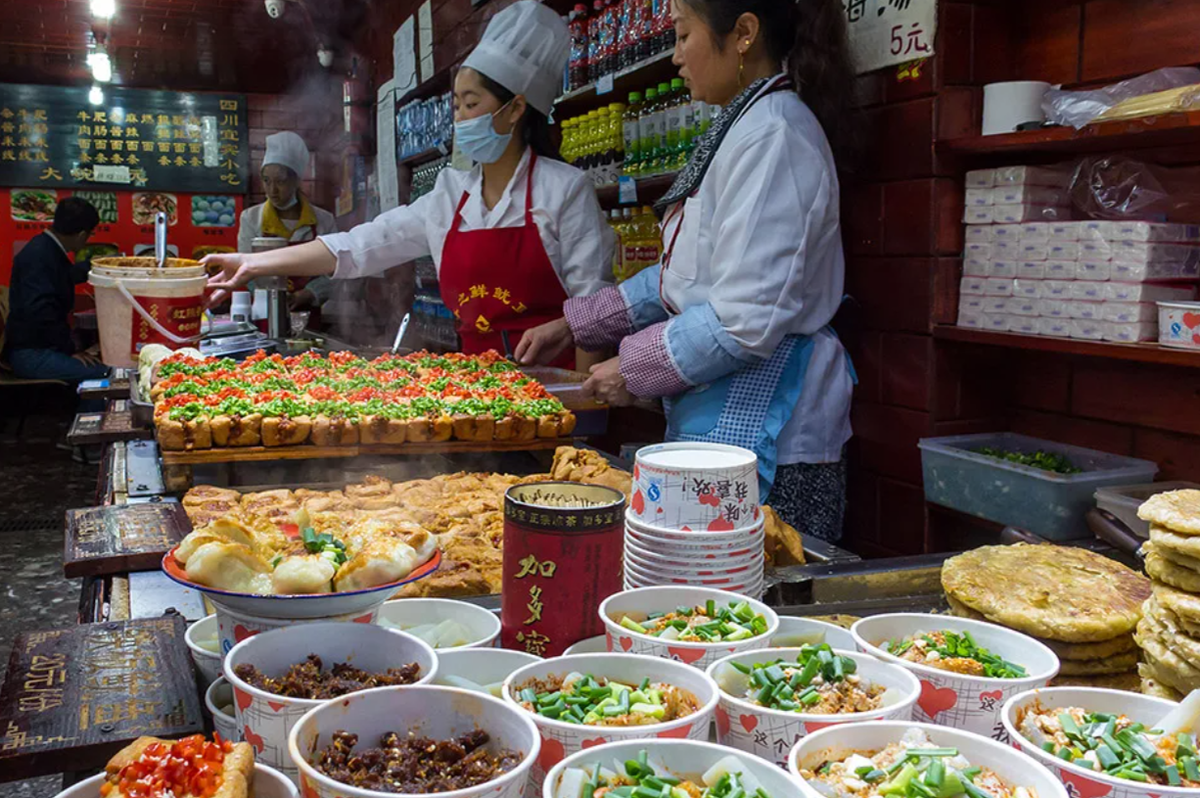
<point>500,280</point>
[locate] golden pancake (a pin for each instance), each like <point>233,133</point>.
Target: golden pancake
<point>1177,510</point>
<point>1160,568</point>
<point>1056,592</point>
<point>1175,543</point>
<point>1128,681</point>
<point>1182,644</point>
<point>1167,666</point>
<point>1064,651</point>
<point>1182,603</point>
<point>1156,689</point>
<point>1156,610</point>
<point>1182,560</point>
<point>1100,667</point>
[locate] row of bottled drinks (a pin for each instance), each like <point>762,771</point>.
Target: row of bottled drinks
<point>424,124</point>
<point>654,133</point>
<point>639,241</point>
<point>615,34</point>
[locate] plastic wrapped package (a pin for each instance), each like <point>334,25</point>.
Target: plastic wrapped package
<point>978,250</point>
<point>1087,289</point>
<point>1033,251</point>
<point>1096,249</point>
<point>1148,292</point>
<point>1057,289</point>
<point>996,322</point>
<point>1029,195</point>
<point>1094,270</point>
<point>1118,188</point>
<point>996,286</point>
<point>1061,269</point>
<point>1058,176</point>
<point>1006,232</point>
<point>980,197</point>
<point>978,233</point>
<point>1027,289</point>
<point>1024,325</point>
<point>1059,328</point>
<point>1143,272</point>
<point>1016,214</point>
<point>977,267</point>
<point>1029,270</point>
<point>1087,329</point>
<point>1065,231</point>
<point>1077,309</point>
<point>1054,308</point>
<point>1063,250</point>
<point>1036,233</point>
<point>1023,306</point>
<point>972,286</point>
<point>979,215</point>
<point>1094,230</point>
<point>970,318</point>
<point>1153,231</point>
<point>1153,252</point>
<point>1005,269</point>
<point>981,178</point>
<point>1130,332</point>
<point>1129,312</point>
<point>1079,108</point>
<point>996,304</point>
<point>971,303</point>
<point>1006,249</point>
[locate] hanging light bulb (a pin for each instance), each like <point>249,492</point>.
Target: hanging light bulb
<point>96,96</point>
<point>104,8</point>
<point>101,66</point>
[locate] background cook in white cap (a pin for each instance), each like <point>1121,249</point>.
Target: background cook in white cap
<point>287,213</point>
<point>512,237</point>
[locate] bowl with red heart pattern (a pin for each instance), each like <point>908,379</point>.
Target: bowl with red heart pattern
<point>967,668</point>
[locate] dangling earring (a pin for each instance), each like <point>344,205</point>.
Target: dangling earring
<point>742,66</point>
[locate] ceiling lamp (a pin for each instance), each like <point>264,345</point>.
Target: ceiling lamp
<point>101,66</point>
<point>104,8</point>
<point>96,96</point>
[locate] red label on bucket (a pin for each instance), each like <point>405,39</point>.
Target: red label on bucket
<point>560,562</point>
<point>179,315</point>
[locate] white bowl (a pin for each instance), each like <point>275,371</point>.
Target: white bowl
<point>592,645</point>
<point>837,742</point>
<point>218,696</point>
<point>952,699</point>
<point>638,603</point>
<point>268,783</point>
<point>483,666</point>
<point>696,485</point>
<point>795,631</point>
<point>266,718</point>
<point>653,555</point>
<point>234,627</point>
<point>436,712</point>
<point>752,728</point>
<point>208,664</point>
<point>728,583</point>
<point>1179,324</point>
<point>1081,781</point>
<point>746,547</point>
<point>560,739</point>
<point>666,534</point>
<point>484,625</point>
<point>702,568</point>
<point>689,758</point>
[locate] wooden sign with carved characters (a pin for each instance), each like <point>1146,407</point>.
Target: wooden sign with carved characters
<point>121,538</point>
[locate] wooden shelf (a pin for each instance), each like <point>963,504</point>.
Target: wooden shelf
<point>635,77</point>
<point>650,189</point>
<point>423,157</point>
<point>1140,353</point>
<point>1152,131</point>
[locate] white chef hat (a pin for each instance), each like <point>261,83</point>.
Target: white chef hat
<point>287,149</point>
<point>525,49</point>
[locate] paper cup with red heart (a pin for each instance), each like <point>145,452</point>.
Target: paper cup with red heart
<point>771,733</point>
<point>233,626</point>
<point>1179,324</point>
<point>696,486</point>
<point>1083,782</point>
<point>266,718</point>
<point>953,699</point>
<point>638,604</point>
<point>561,739</point>
<point>867,739</point>
<point>438,713</point>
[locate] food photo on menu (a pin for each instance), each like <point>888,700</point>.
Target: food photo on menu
<point>614,399</point>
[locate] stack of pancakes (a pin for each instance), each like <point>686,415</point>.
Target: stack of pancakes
<point>1082,605</point>
<point>1169,634</point>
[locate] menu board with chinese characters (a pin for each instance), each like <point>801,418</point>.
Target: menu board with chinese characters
<point>79,695</point>
<point>54,137</point>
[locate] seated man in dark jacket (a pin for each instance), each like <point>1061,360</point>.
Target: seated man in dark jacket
<point>38,341</point>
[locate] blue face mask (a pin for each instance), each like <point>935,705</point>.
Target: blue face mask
<point>478,139</point>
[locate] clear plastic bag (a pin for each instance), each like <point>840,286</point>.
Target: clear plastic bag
<point>1079,108</point>
<point>1118,187</point>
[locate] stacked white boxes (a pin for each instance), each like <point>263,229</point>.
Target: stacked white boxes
<point>1028,269</point>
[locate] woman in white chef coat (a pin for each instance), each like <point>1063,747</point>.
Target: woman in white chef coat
<point>287,213</point>
<point>732,329</point>
<point>513,238</point>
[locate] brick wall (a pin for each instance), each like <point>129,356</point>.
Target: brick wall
<point>903,236</point>
<point>315,113</point>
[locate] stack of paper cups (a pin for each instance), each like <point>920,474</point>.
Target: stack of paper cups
<point>695,519</point>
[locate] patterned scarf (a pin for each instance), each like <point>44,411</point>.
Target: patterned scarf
<point>707,145</point>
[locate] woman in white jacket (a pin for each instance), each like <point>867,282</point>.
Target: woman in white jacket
<point>511,239</point>
<point>732,328</point>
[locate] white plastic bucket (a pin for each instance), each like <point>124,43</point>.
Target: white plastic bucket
<point>140,306</point>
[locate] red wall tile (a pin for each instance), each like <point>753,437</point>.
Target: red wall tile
<point>1128,38</point>
<point>901,140</point>
<point>908,219</point>
<point>862,218</point>
<point>1101,435</point>
<point>862,508</point>
<point>867,354</point>
<point>894,292</point>
<point>886,440</point>
<point>906,370</point>
<point>1178,456</point>
<point>1162,398</point>
<point>904,529</point>
<point>1042,382</point>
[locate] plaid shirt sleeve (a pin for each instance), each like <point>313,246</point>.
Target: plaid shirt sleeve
<point>599,320</point>
<point>647,365</point>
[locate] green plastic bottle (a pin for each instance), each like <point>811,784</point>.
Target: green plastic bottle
<point>632,133</point>
<point>687,122</point>
<point>662,152</point>
<point>649,133</point>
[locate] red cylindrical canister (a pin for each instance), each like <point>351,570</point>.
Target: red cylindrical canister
<point>563,545</point>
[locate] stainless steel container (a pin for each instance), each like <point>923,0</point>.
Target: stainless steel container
<point>278,326</point>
